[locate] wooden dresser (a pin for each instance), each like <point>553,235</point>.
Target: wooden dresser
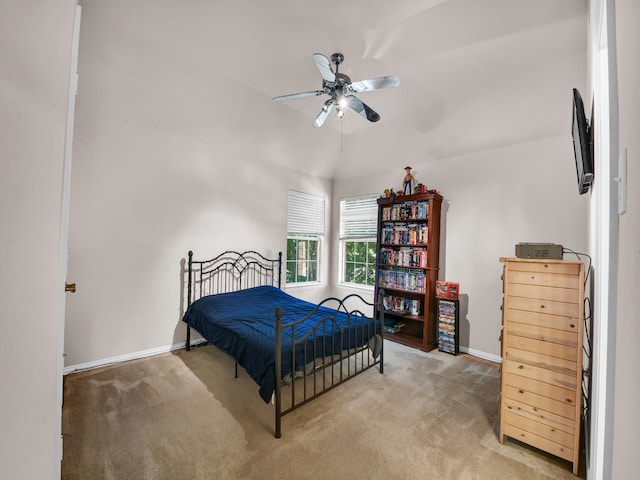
<point>541,372</point>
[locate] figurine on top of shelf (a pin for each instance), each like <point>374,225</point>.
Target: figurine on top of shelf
<point>409,182</point>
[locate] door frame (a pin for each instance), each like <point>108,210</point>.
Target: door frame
<point>64,227</point>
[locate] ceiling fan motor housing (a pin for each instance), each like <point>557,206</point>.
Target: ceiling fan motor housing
<point>337,59</point>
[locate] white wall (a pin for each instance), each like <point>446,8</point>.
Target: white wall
<point>494,198</point>
<point>492,201</point>
<point>140,201</point>
<point>35,57</point>
<point>147,188</point>
<point>626,428</point>
<point>159,170</point>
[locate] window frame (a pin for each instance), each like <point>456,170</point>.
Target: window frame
<point>316,262</point>
<point>305,221</point>
<point>358,224</point>
<point>368,265</point>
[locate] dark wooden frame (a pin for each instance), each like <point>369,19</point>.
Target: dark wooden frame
<point>232,271</point>
<point>420,331</point>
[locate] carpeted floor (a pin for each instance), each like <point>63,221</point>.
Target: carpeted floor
<point>183,415</point>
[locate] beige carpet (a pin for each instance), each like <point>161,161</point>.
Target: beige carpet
<point>184,416</point>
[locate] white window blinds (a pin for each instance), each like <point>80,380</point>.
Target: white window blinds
<point>358,217</point>
<point>305,214</point>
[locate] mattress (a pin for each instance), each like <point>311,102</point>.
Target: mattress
<point>243,324</point>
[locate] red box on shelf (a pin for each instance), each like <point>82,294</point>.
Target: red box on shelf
<point>447,290</point>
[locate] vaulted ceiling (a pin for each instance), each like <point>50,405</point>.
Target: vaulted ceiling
<point>469,73</point>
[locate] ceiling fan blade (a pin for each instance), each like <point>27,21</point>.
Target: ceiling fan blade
<point>324,113</point>
<point>374,84</point>
<point>294,96</point>
<point>324,66</point>
<point>362,109</point>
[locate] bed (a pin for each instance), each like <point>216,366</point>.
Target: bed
<point>294,350</point>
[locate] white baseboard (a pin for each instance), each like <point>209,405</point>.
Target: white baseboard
<point>176,346</point>
<point>481,354</point>
<point>129,356</point>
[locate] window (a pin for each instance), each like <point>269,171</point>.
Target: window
<point>360,262</point>
<point>358,223</point>
<point>302,259</point>
<point>305,229</point>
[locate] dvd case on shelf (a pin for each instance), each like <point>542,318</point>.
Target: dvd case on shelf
<point>448,320</point>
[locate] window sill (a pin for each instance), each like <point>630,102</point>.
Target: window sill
<point>356,286</point>
<point>303,285</point>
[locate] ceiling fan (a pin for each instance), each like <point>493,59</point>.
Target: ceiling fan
<point>341,89</point>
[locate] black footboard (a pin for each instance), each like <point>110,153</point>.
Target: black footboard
<point>361,337</point>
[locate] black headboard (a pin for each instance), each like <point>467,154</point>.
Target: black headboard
<point>229,272</point>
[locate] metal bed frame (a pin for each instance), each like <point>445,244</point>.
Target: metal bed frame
<point>232,271</point>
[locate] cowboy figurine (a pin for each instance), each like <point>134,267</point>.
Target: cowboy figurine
<point>408,182</point>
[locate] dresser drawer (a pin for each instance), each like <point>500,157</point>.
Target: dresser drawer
<point>536,414</point>
<point>538,401</point>
<point>540,429</point>
<point>569,295</point>
<point>544,334</point>
<point>534,319</point>
<point>547,362</point>
<point>549,307</point>
<point>538,441</point>
<point>527,386</point>
<point>541,266</point>
<point>513,365</point>
<point>540,348</point>
<point>543,279</point>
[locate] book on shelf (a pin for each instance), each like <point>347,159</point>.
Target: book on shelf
<point>447,329</point>
<point>402,279</point>
<point>392,327</point>
<point>405,306</point>
<point>413,210</point>
<point>405,234</point>
<point>404,257</point>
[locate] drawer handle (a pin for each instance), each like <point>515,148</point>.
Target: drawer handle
<point>541,306</point>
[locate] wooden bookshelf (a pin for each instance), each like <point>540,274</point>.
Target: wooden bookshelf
<point>408,251</point>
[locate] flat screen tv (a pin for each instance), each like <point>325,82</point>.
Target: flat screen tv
<point>582,144</point>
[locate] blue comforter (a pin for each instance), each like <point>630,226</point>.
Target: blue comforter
<point>243,324</point>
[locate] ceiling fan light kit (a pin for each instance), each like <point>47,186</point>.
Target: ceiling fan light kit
<point>341,89</point>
